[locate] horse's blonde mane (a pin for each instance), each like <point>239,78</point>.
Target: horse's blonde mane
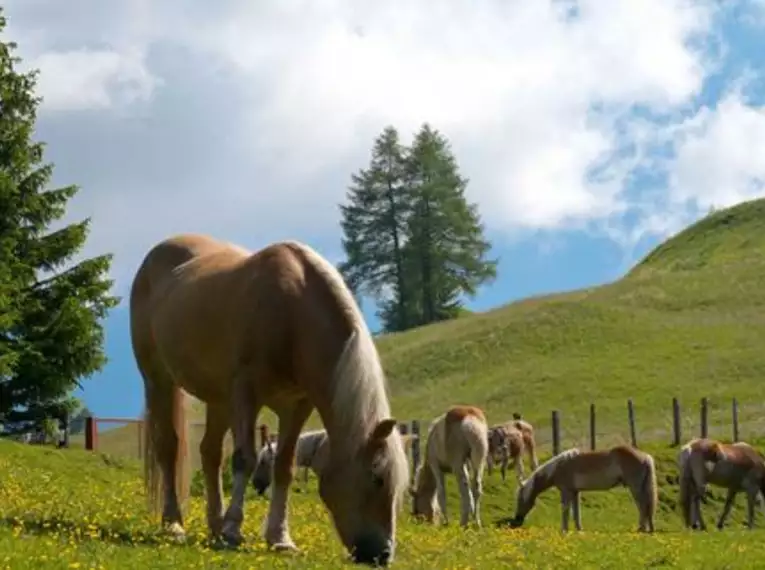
<point>360,392</point>
<point>360,396</point>
<point>548,468</point>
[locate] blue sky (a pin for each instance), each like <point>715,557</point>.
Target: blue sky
<point>587,139</point>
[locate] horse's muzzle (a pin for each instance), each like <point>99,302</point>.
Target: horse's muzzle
<point>260,487</point>
<point>373,550</point>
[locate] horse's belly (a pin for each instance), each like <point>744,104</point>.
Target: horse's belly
<point>595,481</point>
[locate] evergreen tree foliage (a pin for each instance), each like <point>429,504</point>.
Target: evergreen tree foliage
<point>50,330</point>
<point>446,250</point>
<point>412,240</point>
<point>374,225</point>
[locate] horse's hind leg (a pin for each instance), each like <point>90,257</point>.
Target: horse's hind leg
<point>466,496</point>
<point>441,493</point>
<point>243,460</point>
<point>477,489</point>
<point>211,452</point>
<point>161,397</point>
<point>291,421</point>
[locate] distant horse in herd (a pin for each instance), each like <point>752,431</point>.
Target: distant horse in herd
<point>279,328</point>
<point>457,442</point>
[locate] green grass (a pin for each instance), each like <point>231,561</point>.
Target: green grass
<point>74,509</point>
<point>687,322</point>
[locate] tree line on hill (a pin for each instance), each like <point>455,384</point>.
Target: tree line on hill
<point>413,242</point>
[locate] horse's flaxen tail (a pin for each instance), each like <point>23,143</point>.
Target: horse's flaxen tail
<point>650,489</point>
<point>531,447</point>
<point>686,484</point>
<point>155,428</point>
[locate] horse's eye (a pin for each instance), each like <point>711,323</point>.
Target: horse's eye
<point>377,480</point>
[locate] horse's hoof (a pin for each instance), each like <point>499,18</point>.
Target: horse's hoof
<point>232,538</point>
<point>285,546</point>
<point>175,532</point>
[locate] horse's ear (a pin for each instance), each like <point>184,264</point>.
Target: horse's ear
<point>384,429</point>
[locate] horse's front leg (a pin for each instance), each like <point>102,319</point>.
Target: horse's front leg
<point>751,503</point>
<point>291,421</point>
<point>565,501</point>
<point>505,461</point>
<point>576,508</point>
<point>696,505</point>
<point>726,508</point>
<point>243,460</point>
<point>211,453</point>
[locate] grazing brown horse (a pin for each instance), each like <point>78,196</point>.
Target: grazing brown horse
<point>456,440</point>
<point>733,466</point>
<point>573,471</point>
<point>508,442</point>
<point>311,452</point>
<point>277,328</point>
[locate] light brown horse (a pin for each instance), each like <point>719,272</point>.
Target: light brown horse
<point>507,442</point>
<point>277,328</point>
<point>311,452</point>
<point>733,466</point>
<point>573,471</point>
<point>456,440</point>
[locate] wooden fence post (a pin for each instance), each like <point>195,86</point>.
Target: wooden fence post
<point>556,432</point>
<point>735,420</point>
<point>704,417</point>
<point>91,433</point>
<point>592,426</point>
<point>631,419</point>
<point>676,422</point>
<point>139,429</point>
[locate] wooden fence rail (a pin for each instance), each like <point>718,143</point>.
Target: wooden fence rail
<point>413,427</point>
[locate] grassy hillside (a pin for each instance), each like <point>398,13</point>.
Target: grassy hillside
<point>73,509</point>
<point>687,321</point>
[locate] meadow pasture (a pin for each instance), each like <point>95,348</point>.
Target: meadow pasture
<point>685,322</point>
<point>73,509</point>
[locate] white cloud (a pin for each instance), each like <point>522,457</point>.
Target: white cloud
<point>253,115</point>
<point>720,155</point>
<point>87,79</point>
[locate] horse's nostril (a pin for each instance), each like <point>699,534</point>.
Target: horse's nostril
<point>372,550</point>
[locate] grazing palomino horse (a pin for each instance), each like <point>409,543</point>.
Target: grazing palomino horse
<point>455,440</point>
<point>261,477</point>
<point>733,466</point>
<point>312,452</point>
<point>508,441</point>
<point>277,328</point>
<point>573,471</point>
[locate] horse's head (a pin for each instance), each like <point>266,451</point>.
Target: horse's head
<point>261,477</point>
<point>423,504</point>
<point>363,493</point>
<point>524,502</point>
